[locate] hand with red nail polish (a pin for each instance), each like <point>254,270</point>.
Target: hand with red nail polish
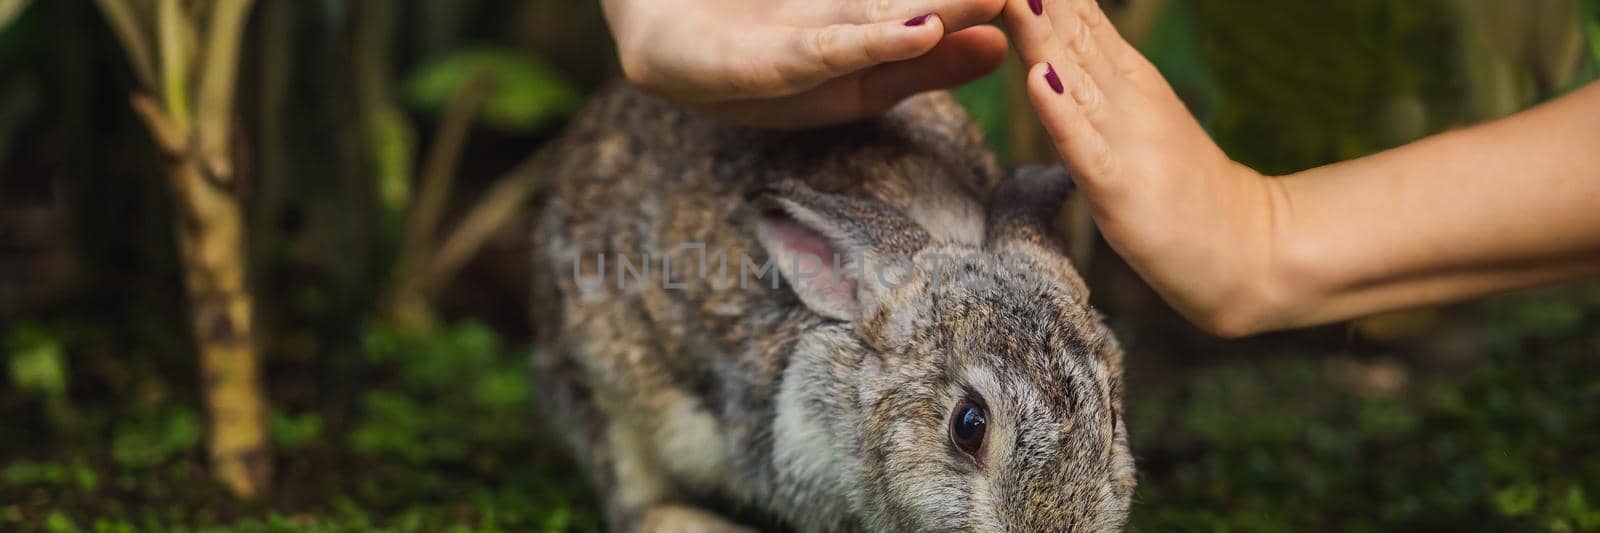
<point>1497,207</point>
<point>1161,191</point>
<point>802,63</point>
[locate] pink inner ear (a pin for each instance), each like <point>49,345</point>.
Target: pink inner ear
<point>799,240</point>
<point>806,259</point>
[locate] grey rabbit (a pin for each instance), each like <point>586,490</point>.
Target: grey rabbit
<point>912,358</point>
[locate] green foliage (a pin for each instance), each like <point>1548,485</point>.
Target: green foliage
<point>451,380</point>
<point>1520,499</point>
<point>394,143</point>
<point>58,522</point>
<point>1594,41</point>
<point>1589,16</point>
<point>1305,83</point>
<point>36,361</point>
<point>443,438</point>
<point>147,440</point>
<point>295,432</point>
<point>1174,48</point>
<point>459,401</point>
<point>1273,445</point>
<point>527,94</point>
<point>23,474</point>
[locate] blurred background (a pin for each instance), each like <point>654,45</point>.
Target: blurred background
<point>263,266</point>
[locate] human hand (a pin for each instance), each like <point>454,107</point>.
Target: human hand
<point>802,63</point>
<point>1194,224</point>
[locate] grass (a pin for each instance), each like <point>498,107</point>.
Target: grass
<point>1494,432</point>
<point>443,441</point>
<point>1493,429</point>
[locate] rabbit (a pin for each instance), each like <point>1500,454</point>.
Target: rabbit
<point>943,371</point>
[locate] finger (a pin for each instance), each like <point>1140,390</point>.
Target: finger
<point>1070,20</point>
<point>957,14</point>
<point>816,56</point>
<point>961,57</point>
<point>1068,120</point>
<point>1121,53</point>
<point>1099,48</point>
<point>1033,33</point>
<point>1043,30</point>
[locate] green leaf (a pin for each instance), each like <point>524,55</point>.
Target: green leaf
<point>36,361</point>
<point>1589,19</point>
<point>393,147</point>
<point>151,440</point>
<point>58,522</point>
<point>84,476</point>
<point>26,474</point>
<point>293,432</point>
<point>1517,500</point>
<point>1594,42</point>
<point>501,390</point>
<point>527,94</point>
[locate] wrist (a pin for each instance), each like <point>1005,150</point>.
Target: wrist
<point>1298,266</point>
<point>1263,285</point>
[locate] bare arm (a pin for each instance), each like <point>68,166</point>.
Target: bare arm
<point>1506,205</point>
<point>1510,204</point>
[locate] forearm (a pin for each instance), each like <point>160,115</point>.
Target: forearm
<point>1506,205</point>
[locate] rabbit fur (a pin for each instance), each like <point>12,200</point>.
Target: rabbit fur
<point>699,400</point>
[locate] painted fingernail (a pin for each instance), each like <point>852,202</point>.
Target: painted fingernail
<point>1037,6</point>
<point>1051,78</point>
<point>919,20</point>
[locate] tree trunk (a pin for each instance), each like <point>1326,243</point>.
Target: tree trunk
<point>210,226</point>
<point>190,116</point>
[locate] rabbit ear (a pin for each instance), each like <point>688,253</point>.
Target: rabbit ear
<point>1023,208</point>
<point>836,252</point>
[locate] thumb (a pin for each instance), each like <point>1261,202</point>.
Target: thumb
<point>813,56</point>
<point>960,58</point>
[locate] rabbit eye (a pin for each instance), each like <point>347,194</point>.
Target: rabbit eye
<point>968,422</point>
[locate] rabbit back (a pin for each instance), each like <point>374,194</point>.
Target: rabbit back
<point>662,372</point>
